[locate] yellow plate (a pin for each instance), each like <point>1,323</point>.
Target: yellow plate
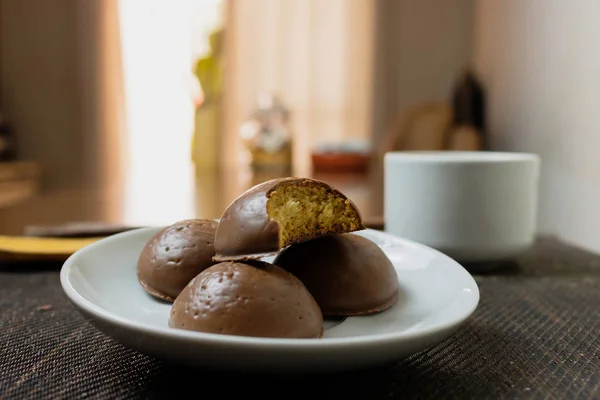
<point>29,247</point>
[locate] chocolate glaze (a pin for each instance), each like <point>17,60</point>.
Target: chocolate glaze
<point>346,274</point>
<point>175,255</point>
<point>258,299</point>
<point>245,231</point>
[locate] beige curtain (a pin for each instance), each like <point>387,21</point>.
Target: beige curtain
<point>102,91</point>
<point>316,55</point>
<point>61,85</point>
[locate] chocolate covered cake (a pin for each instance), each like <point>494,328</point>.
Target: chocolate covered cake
<point>257,299</point>
<point>346,274</point>
<point>175,255</point>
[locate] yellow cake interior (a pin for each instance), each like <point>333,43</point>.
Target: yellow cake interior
<point>307,211</point>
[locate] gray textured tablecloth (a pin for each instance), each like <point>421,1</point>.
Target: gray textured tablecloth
<point>535,335</point>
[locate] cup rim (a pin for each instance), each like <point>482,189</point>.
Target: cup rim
<point>450,156</point>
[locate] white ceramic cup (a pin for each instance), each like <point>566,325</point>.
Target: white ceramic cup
<point>472,206</point>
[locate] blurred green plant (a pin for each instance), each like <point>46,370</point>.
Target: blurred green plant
<point>208,69</point>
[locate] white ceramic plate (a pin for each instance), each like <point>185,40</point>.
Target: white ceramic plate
<point>437,295</point>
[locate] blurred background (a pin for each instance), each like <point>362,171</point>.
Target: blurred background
<point>137,112</point>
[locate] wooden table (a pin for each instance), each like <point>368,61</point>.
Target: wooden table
<point>19,180</point>
<point>533,335</point>
<point>205,194</point>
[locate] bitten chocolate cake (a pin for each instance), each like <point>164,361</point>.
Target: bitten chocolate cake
<point>280,212</point>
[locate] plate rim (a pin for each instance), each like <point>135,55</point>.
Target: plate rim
<point>106,316</point>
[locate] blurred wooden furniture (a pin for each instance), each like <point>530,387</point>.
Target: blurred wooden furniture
<point>19,180</point>
<point>428,126</point>
<point>421,127</point>
<point>464,137</point>
<point>85,211</point>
